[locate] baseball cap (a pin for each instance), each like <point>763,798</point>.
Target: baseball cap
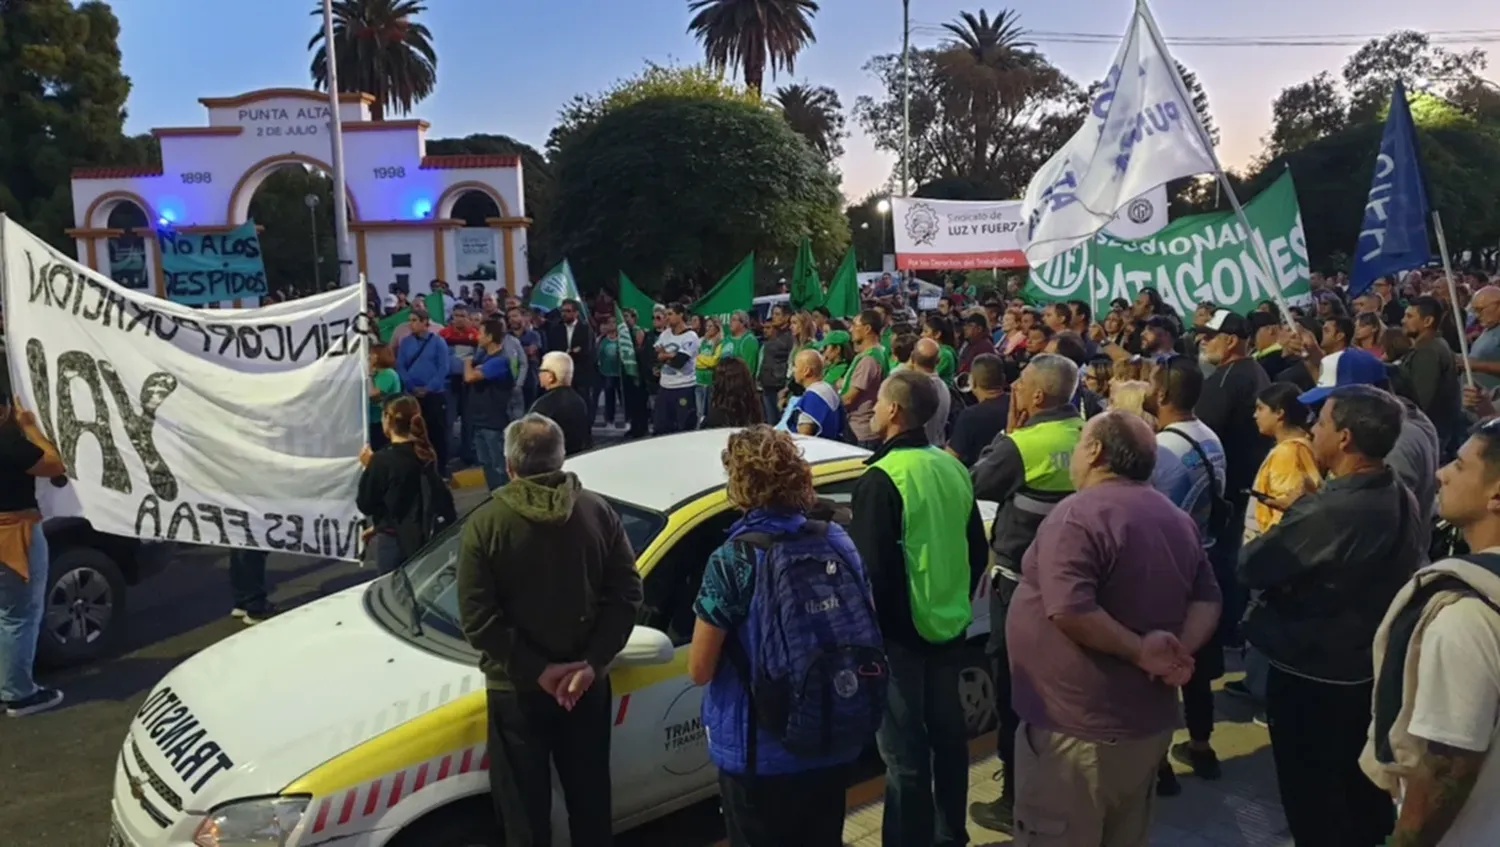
<point>1259,321</point>
<point>1227,323</point>
<point>833,339</point>
<point>1355,367</point>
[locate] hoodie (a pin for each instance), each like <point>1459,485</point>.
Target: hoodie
<point>545,575</point>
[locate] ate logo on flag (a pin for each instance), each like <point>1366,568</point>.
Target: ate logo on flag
<point>554,286</point>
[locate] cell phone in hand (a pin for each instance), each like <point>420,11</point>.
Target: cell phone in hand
<point>1263,498</point>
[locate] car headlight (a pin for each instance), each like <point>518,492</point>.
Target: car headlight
<point>262,822</point>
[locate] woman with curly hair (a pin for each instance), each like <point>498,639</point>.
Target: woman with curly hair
<point>734,400</point>
<point>400,490</point>
<point>780,797</point>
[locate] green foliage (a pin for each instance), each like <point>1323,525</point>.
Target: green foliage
<point>693,82</point>
<point>287,243</point>
<point>673,189</point>
<point>64,99</point>
<point>816,114</point>
<point>380,51</point>
<point>754,35</point>
<point>537,180</point>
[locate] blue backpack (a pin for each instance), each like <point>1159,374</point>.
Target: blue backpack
<point>819,680</point>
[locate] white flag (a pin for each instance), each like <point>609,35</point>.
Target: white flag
<point>1141,132</point>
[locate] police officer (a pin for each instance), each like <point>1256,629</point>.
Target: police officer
<point>1025,470</point>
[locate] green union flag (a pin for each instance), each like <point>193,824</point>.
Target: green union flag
<point>806,288</point>
<point>734,293</point>
<point>558,285</point>
<point>627,345</point>
<point>843,299</point>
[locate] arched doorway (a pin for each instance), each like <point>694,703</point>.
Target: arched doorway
<point>293,206</point>
<point>478,256</point>
<point>127,251</point>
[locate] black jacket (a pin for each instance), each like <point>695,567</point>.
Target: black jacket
<point>555,339</point>
<point>774,353</point>
<point>391,494</point>
<point>1327,573</point>
<point>876,531</point>
<point>565,406</point>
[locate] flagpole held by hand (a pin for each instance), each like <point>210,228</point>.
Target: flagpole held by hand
<point>1458,312</point>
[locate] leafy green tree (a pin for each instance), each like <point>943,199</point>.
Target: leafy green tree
<point>537,181</point>
<point>1306,112</point>
<point>754,35</point>
<point>656,80</point>
<point>867,231</point>
<point>64,107</point>
<point>815,113</point>
<point>675,191</point>
<point>297,243</point>
<point>380,51</point>
<point>1371,73</point>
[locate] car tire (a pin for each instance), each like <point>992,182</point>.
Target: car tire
<point>470,823</point>
<point>976,690</point>
<point>83,613</point>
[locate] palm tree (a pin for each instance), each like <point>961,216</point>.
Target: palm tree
<point>815,113</point>
<point>753,34</point>
<point>987,64</point>
<point>380,52</point>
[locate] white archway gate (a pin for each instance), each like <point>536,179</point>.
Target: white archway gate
<point>400,199</point>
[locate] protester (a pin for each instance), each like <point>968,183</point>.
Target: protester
<point>741,343</point>
<point>422,362</point>
<point>1484,350</point>
<point>676,351</point>
<point>782,796</point>
<point>816,410</point>
<point>919,533</point>
<point>26,454</point>
<point>385,384</point>
<point>1338,336</point>
<point>1437,664</point>
<point>940,329</point>
<point>1431,371</point>
<point>860,386</point>
<point>564,407</point>
<point>924,360</point>
<point>710,348</point>
<point>775,353</point>
<point>838,353</point>
<point>400,489</point>
<point>1025,470</point>
<point>1290,470</point>
<point>1115,598</point>
<point>548,595</point>
<point>608,366</point>
<point>976,330</point>
<point>1327,573</point>
<point>575,337</point>
<point>490,377</point>
<point>979,424</point>
<point>735,400</point>
<point>530,343</point>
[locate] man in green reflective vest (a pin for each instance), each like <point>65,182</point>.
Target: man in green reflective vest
<point>918,530</point>
<point>1025,470</point>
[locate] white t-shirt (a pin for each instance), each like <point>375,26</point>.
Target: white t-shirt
<point>687,343</point>
<point>1458,704</point>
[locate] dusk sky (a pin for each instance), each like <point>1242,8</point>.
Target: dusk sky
<point>506,66</point>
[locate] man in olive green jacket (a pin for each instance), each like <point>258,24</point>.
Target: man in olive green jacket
<point>548,595</point>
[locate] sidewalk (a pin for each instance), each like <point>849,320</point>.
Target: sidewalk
<point>1240,810</point>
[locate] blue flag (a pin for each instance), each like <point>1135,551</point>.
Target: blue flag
<point>1394,235</point>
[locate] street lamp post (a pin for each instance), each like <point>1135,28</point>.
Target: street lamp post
<point>336,131</point>
<point>905,97</point>
<point>884,208</point>
<point>312,215</point>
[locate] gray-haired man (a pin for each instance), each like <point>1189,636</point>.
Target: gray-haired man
<point>548,594</point>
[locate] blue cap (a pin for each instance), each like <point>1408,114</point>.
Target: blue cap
<point>1356,367</point>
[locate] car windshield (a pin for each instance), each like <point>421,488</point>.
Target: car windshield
<point>434,572</point>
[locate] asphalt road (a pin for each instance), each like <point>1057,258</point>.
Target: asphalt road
<point>57,768</point>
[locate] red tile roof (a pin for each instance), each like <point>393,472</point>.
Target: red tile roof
<point>465,161</point>
<point>117,172</point>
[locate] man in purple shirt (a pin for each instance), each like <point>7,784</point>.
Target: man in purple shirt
<point>1116,596</point>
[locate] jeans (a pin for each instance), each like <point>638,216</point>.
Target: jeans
<point>384,552</point>
<point>637,412</point>
<point>590,394</point>
<point>490,445</point>
<point>610,387</point>
<point>770,404</point>
<point>529,734</point>
<point>435,413</point>
<point>786,810</point>
<point>1225,556</point>
<point>676,410</point>
<point>1317,734</point>
<point>1257,669</point>
<point>1001,593</point>
<point>924,743</point>
<point>22,603</point>
<point>465,451</point>
<point>703,392</point>
<point>247,579</point>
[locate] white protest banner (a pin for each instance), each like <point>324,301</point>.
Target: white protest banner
<point>976,234</point>
<point>1141,132</point>
<point>234,428</point>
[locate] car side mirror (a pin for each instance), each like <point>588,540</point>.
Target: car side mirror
<point>646,646</point>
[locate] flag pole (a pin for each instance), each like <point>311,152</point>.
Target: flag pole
<point>1458,313</point>
<point>1258,248</point>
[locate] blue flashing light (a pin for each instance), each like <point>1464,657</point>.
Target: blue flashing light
<point>422,209</point>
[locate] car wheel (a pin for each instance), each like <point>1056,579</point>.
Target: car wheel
<point>976,690</point>
<point>84,608</point>
<point>470,823</point>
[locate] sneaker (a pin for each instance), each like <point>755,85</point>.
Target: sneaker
<point>1238,688</point>
<point>1205,763</point>
<point>251,617</point>
<point>1260,719</point>
<point>997,816</point>
<point>41,701</point>
<point>1166,780</point>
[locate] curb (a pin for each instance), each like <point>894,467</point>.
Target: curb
<point>467,478</point>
